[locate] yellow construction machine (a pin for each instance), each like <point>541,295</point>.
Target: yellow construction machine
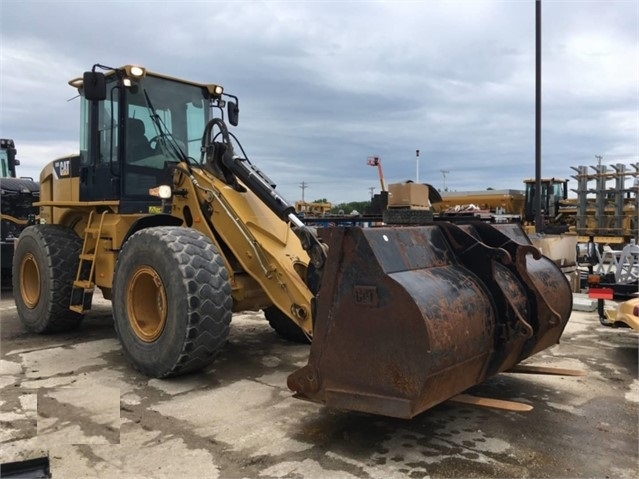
<point>509,202</point>
<point>163,211</point>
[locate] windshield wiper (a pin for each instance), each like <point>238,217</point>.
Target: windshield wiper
<point>162,131</point>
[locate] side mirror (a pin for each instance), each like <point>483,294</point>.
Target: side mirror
<point>94,86</point>
<point>233,113</point>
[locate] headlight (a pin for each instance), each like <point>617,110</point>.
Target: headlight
<point>135,71</point>
<point>215,90</point>
<point>162,191</point>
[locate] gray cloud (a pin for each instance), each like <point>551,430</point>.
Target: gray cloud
<point>323,85</point>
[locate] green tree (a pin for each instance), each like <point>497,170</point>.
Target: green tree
<point>348,208</point>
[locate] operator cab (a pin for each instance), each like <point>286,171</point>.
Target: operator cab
<point>8,161</point>
<point>553,191</point>
<point>134,125</point>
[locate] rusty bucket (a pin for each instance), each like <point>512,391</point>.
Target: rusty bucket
<point>408,317</point>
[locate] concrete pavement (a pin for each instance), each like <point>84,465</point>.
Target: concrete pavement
<point>74,398</point>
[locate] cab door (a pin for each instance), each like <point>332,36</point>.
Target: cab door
<point>100,140</point>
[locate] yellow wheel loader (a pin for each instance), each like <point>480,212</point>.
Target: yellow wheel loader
<point>164,212</point>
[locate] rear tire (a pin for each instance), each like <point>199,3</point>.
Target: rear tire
<point>284,326</point>
<point>171,301</point>
<point>45,263</point>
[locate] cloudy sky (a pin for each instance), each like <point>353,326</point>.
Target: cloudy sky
<point>325,84</point>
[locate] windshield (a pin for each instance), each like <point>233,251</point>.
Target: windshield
<point>165,110</point>
<point>165,120</point>
<point>558,191</point>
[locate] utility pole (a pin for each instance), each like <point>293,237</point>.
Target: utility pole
<point>444,173</point>
<point>599,158</point>
<point>539,218</point>
<point>416,166</point>
<point>372,190</point>
<point>303,186</point>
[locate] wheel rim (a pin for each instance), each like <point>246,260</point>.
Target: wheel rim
<point>29,281</point>
<point>146,304</point>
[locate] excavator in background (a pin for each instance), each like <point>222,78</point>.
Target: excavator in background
<point>16,205</point>
<point>163,211</point>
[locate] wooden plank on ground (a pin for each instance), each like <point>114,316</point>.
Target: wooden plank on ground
<point>530,369</point>
<point>492,403</point>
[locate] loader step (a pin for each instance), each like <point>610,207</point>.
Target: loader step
<point>81,298</point>
<point>82,284</point>
<point>82,291</point>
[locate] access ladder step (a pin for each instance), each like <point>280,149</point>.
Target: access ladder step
<point>87,256</point>
<point>81,298</point>
<point>82,284</point>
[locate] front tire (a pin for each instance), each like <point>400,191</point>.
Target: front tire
<point>171,301</point>
<point>45,263</point>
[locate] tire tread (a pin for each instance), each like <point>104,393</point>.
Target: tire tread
<point>208,298</point>
<point>61,248</point>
